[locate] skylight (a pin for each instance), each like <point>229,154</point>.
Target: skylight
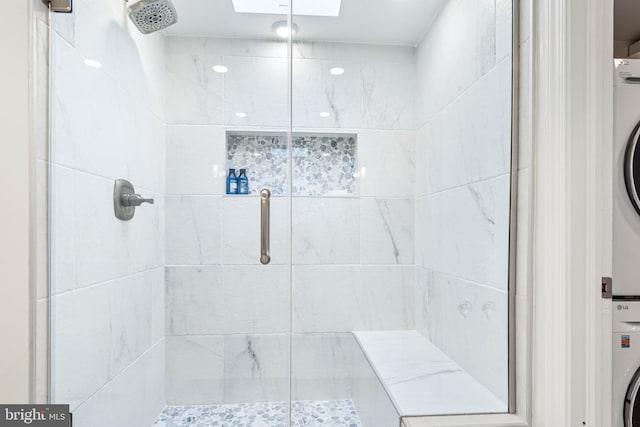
<point>281,7</point>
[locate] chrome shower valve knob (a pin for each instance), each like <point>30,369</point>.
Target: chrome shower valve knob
<point>134,200</point>
<point>125,200</point>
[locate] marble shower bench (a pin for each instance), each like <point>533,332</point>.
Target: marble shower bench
<point>420,379</point>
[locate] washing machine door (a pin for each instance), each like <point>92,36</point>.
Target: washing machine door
<point>632,402</point>
<point>632,168</point>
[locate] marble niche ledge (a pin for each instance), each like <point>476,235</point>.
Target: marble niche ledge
<point>420,379</point>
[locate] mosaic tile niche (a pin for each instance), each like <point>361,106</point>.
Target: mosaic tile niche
<point>323,164</point>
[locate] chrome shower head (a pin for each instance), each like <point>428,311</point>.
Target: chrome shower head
<point>153,15</point>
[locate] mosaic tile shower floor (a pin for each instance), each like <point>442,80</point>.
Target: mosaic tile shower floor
<point>329,413</point>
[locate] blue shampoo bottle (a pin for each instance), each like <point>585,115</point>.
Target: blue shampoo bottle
<point>243,182</point>
<point>232,182</point>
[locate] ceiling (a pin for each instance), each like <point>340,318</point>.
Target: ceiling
<point>627,20</point>
<point>395,22</point>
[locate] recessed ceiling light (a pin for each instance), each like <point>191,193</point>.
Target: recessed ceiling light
<point>93,63</point>
<point>325,114</point>
<point>281,7</point>
<point>220,69</point>
<point>241,115</point>
<point>337,71</point>
<point>281,28</point>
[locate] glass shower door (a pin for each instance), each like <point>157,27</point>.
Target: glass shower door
<point>169,316</point>
<point>401,125</point>
<point>382,131</point>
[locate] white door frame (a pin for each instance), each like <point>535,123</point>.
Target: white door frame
<point>573,118</point>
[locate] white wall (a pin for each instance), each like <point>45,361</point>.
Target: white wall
<point>107,275</point>
<point>462,186</point>
<point>353,256</point>
<point>16,168</point>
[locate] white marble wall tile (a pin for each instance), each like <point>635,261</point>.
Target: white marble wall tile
<point>387,231</point>
<point>469,223</point>
<point>83,130</point>
<point>63,24</point>
<point>316,90</point>
<point>226,300</point>
<point>194,230</point>
<point>117,247</point>
<point>81,344</point>
<point>388,91</point>
<point>241,230</point>
<point>227,47</point>
<point>349,52</point>
<point>458,49</point>
<point>256,368</point>
<point>478,316</point>
<point>133,399</point>
<point>195,92</point>
<point>258,88</point>
<point>131,316</point>
<point>107,123</point>
<point>422,301</point>
<point>76,117</point>
<point>470,139</point>
<point>195,369</point>
<point>158,306</point>
<point>387,163</point>
<point>324,366</point>
<point>504,29</point>
<point>326,231</point>
<point>423,150</point>
<point>98,331</point>
<point>62,208</point>
<point>195,160</point>
<point>302,50</point>
<point>103,32</point>
<point>343,299</point>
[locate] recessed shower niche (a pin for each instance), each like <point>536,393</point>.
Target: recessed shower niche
<point>323,164</point>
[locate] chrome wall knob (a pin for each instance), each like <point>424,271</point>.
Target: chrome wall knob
<point>134,200</point>
<point>125,200</point>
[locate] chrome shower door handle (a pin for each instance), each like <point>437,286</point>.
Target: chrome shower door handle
<point>265,195</point>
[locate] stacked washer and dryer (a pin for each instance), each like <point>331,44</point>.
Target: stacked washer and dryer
<point>626,244</point>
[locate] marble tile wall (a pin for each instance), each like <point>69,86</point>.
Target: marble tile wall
<point>107,275</point>
<point>217,293</point>
<point>205,369</point>
<point>463,155</point>
<point>375,92</point>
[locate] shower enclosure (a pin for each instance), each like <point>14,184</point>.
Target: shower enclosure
<point>382,131</point>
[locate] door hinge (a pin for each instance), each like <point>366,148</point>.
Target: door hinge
<point>63,6</point>
<point>606,287</point>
